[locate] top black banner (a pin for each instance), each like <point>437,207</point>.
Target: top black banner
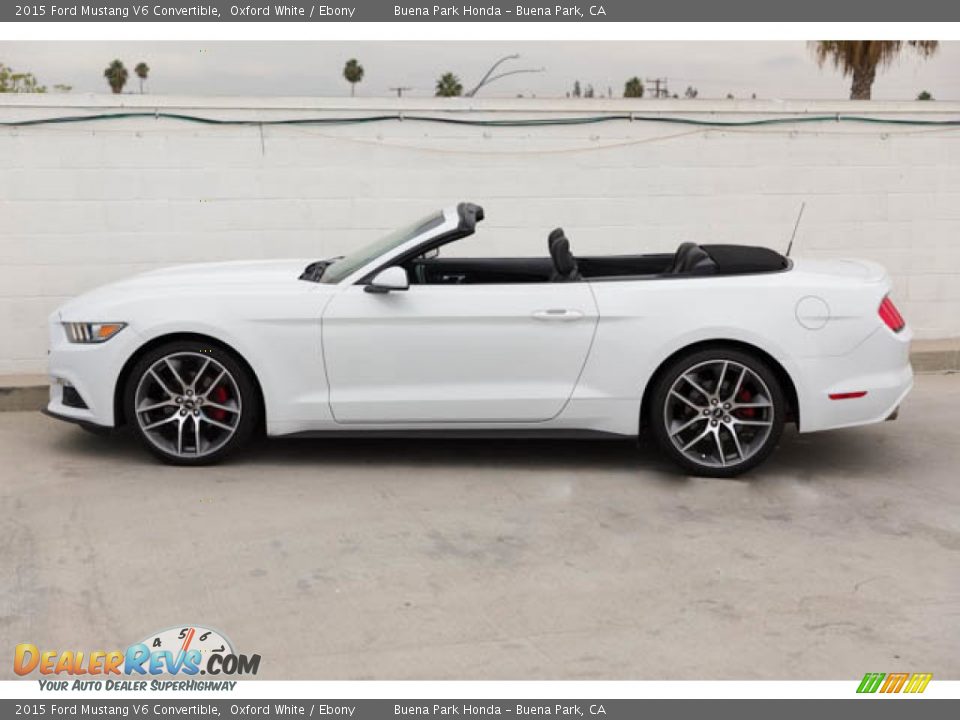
<point>482,11</point>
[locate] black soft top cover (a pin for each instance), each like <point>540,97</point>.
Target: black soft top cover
<point>738,259</point>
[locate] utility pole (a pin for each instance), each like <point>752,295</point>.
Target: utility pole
<point>660,89</point>
<point>400,90</point>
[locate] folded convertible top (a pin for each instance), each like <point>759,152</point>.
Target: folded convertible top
<point>736,259</point>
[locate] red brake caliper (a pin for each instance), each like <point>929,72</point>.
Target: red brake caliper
<point>219,395</point>
<point>745,396</point>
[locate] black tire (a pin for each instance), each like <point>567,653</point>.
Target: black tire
<point>727,459</point>
<point>243,386</point>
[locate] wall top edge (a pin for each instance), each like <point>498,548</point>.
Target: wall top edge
<point>529,106</point>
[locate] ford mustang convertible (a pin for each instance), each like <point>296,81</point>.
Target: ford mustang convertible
<point>709,350</point>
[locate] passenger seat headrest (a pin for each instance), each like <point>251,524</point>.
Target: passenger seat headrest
<point>563,260</point>
<point>554,235</point>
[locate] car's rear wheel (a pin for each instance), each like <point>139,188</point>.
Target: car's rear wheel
<point>717,412</point>
<point>191,403</point>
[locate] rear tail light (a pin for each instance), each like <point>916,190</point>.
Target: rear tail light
<point>891,316</point>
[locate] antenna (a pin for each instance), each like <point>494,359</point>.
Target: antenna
<point>795,226</point>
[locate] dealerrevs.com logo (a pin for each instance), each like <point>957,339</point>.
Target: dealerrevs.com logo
<point>185,651</point>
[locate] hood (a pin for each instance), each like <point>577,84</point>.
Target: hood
<point>200,277</point>
<point>222,273</point>
<point>257,273</point>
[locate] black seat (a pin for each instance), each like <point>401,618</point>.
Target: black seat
<point>689,259</point>
<point>564,263</point>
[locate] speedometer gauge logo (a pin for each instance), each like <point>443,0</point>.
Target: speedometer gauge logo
<point>184,639</point>
<point>195,649</point>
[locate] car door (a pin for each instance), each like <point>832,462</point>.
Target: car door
<point>456,353</point>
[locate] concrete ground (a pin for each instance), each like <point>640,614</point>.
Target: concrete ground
<point>498,560</point>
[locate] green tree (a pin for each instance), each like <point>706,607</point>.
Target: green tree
<point>142,70</point>
<point>353,73</point>
<point>448,85</point>
<point>925,95</point>
<point>576,89</point>
<point>691,92</point>
<point>116,75</point>
<point>588,92</point>
<point>22,82</point>
<point>860,59</point>
<point>633,88</point>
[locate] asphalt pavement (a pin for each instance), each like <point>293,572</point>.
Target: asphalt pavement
<point>477,559</point>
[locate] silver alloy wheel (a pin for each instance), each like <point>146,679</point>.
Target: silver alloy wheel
<point>718,413</point>
<point>188,404</point>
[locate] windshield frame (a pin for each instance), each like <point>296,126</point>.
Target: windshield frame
<point>354,263</point>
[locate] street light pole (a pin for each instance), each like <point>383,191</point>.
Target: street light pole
<point>490,77</point>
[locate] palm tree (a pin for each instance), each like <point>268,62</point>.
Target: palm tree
<point>353,72</point>
<point>633,88</point>
<point>116,75</point>
<point>142,70</point>
<point>19,82</point>
<point>862,58</point>
<point>449,86</point>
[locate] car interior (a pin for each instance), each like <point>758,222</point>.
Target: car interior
<point>689,260</point>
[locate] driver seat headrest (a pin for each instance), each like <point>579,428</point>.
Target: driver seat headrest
<point>564,263</point>
<point>554,235</point>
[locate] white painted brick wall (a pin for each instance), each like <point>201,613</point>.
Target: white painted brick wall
<point>83,204</point>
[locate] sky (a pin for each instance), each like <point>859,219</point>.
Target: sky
<point>771,70</point>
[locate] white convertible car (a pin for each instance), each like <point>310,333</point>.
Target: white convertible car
<point>710,349</point>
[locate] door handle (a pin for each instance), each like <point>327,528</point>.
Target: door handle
<point>558,314</point>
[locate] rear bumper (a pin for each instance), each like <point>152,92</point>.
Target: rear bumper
<point>880,367</point>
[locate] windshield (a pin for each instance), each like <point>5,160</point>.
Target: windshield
<point>352,262</point>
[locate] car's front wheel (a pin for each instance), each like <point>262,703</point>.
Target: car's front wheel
<point>191,403</point>
<point>717,412</point>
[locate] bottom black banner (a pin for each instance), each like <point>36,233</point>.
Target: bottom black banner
<point>874,708</point>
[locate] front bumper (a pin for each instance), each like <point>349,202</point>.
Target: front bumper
<point>92,370</point>
<point>92,427</point>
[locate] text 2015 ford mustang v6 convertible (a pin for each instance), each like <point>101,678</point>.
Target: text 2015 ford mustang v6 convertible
<point>710,349</point>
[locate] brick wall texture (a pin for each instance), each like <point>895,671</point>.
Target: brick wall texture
<point>82,204</point>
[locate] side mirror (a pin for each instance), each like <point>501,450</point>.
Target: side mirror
<point>391,278</point>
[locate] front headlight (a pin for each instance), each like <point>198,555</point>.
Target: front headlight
<point>86,333</point>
